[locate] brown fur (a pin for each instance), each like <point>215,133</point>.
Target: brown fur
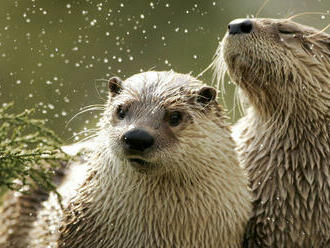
<point>283,71</point>
<point>16,217</point>
<point>193,193</point>
<point>20,210</point>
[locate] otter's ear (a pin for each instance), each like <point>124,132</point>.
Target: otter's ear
<point>206,94</point>
<point>115,86</point>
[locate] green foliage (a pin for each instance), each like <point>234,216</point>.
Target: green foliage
<point>29,152</point>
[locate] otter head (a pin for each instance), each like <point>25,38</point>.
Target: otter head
<point>279,65</point>
<point>147,115</point>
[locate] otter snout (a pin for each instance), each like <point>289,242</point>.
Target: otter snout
<point>240,26</point>
<point>138,140</point>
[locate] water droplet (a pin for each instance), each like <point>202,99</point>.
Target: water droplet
<point>93,22</point>
<point>66,99</point>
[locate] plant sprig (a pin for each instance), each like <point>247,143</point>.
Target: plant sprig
<point>29,152</point>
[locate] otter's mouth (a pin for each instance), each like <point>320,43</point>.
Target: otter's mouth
<point>141,164</point>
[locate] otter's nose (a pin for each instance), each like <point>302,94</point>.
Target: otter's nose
<point>240,26</point>
<point>138,139</point>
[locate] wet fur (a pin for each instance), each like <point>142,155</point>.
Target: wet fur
<point>194,196</point>
<point>284,138</point>
<point>20,210</point>
<point>17,215</point>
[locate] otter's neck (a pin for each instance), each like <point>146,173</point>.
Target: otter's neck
<point>128,209</point>
<point>299,101</point>
<point>288,162</point>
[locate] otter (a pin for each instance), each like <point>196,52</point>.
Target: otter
<point>163,173</point>
<point>282,69</point>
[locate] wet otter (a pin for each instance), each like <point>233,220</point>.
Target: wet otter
<point>164,173</point>
<point>283,71</point>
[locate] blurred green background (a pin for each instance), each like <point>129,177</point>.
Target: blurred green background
<point>56,55</point>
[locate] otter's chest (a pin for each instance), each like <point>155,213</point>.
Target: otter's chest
<point>141,221</point>
<point>291,186</point>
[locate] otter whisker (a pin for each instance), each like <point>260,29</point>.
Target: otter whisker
<point>98,93</point>
<point>102,80</point>
<point>261,8</point>
<point>206,69</point>
<point>306,13</point>
<point>84,132</point>
<point>90,137</point>
<point>238,103</point>
<point>84,111</point>
<point>93,105</point>
<point>321,31</point>
<point>220,71</point>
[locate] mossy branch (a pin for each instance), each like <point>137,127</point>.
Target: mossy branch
<point>29,152</point>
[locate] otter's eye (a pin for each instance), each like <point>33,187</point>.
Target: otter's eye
<point>121,112</point>
<point>175,118</point>
<point>287,29</point>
